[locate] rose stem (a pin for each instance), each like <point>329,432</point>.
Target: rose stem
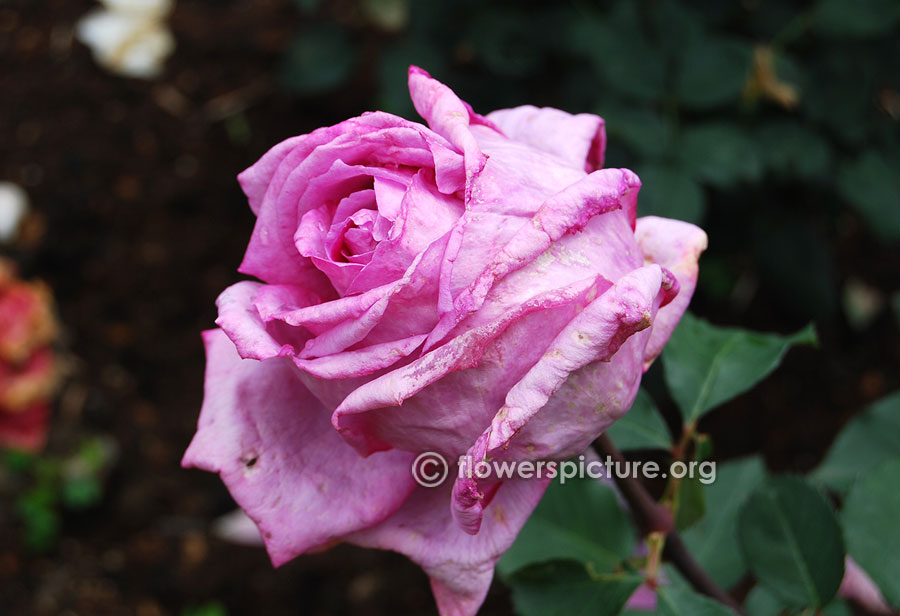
<point>651,517</point>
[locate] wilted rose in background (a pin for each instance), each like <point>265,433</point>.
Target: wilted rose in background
<point>479,286</point>
<point>27,370</point>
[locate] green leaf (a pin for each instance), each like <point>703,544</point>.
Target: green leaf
<point>839,93</point>
<point>17,461</point>
<point>505,41</point>
<point>856,18</point>
<point>792,542</point>
<point>720,154</point>
<point>37,511</point>
<point>565,588</point>
<point>870,520</point>
<point>713,540</point>
<point>691,502</point>
<point>760,602</point>
<point>394,61</point>
<point>702,447</point>
<point>318,59</point>
<point>871,185</point>
<point>641,130</point>
<point>867,440</point>
<point>686,602</point>
<point>713,71</point>
<point>81,492</point>
<point>580,520</point>
<point>212,608</point>
<point>837,608</point>
<point>792,149</point>
<point>671,193</point>
<point>706,365</point>
<point>642,427</point>
<point>620,52</point>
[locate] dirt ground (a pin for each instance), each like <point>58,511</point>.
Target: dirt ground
<point>143,226</point>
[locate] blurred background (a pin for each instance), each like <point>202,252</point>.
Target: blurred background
<point>773,124</point>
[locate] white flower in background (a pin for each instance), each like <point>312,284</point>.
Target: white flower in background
<point>129,37</point>
<point>13,207</point>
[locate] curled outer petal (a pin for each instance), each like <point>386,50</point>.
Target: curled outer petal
<point>272,444</point>
<point>460,566</point>
<point>676,246</point>
<point>595,335</point>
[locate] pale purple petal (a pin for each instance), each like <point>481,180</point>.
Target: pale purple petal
<point>460,566</point>
<point>376,140</point>
<point>449,395</point>
<point>254,338</point>
<point>527,426</point>
<point>676,246</point>
<point>566,212</point>
<point>272,444</point>
<point>577,140</point>
<point>448,116</point>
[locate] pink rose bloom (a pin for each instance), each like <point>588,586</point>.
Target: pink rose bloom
<point>478,286</point>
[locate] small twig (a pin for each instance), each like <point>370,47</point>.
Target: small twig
<point>679,555</point>
<point>651,517</point>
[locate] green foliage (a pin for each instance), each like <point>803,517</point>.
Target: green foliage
<point>580,520</point>
<point>713,71</point>
<point>856,18</point>
<point>720,154</point>
<point>871,184</point>
<point>870,520</point>
<point>53,483</point>
<point>760,602</point>
<point>668,192</point>
<point>566,588</point>
<point>212,608</point>
<point>792,542</point>
<point>642,427</point>
<point>706,365</point>
<point>318,59</point>
<point>713,540</point>
<point>870,438</point>
<point>691,503</point>
<point>697,95</point>
<point>686,602</point>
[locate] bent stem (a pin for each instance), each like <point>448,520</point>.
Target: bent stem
<point>657,522</point>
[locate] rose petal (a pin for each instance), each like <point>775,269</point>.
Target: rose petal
<point>449,117</point>
<point>362,362</point>
<point>425,215</point>
<point>450,393</point>
<point>254,338</point>
<point>527,426</point>
<point>272,444</point>
<point>378,140</point>
<point>858,586</point>
<point>25,429</point>
<point>460,566</point>
<point>578,140</point>
<point>31,382</point>
<point>566,212</point>
<point>677,246</point>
